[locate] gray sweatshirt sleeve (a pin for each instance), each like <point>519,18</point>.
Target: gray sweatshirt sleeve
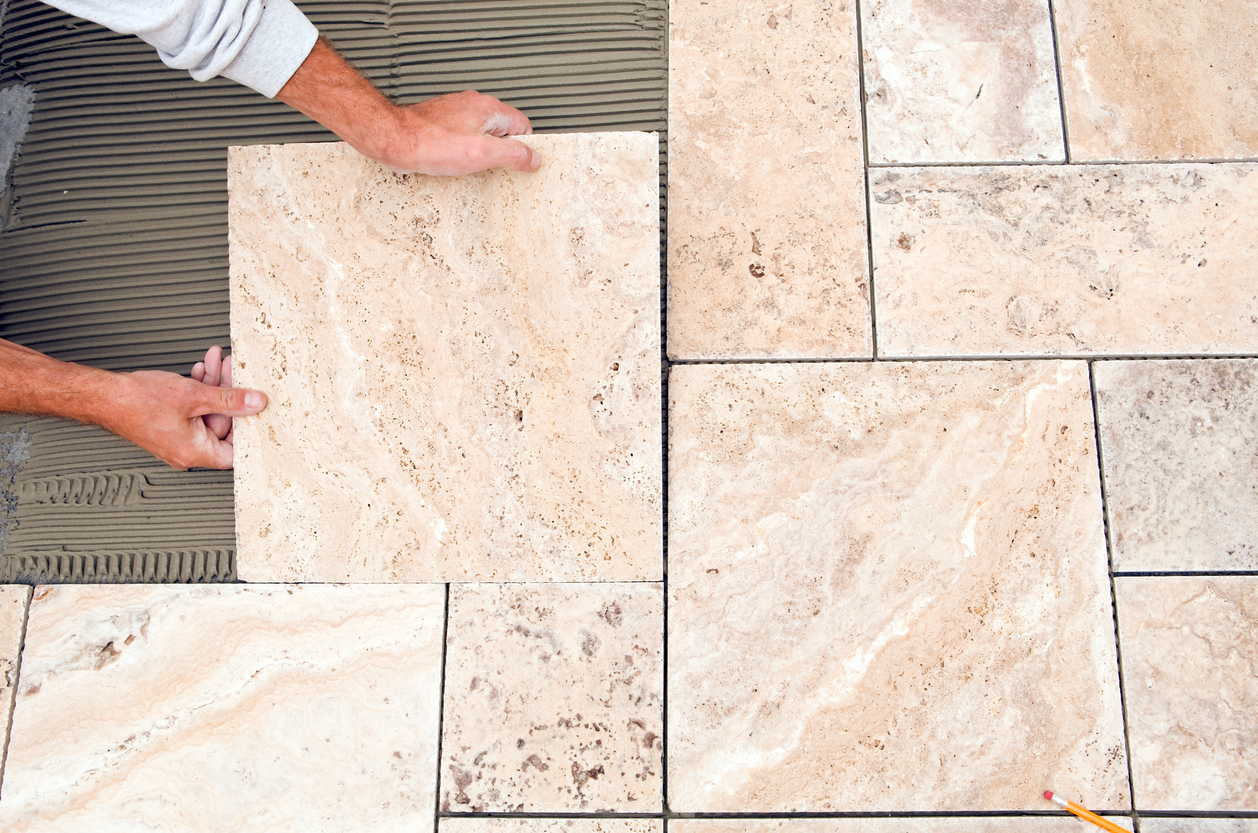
<point>259,43</point>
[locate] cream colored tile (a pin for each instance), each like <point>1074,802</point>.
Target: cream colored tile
<point>1198,825</point>
<point>1189,647</point>
<point>221,707</point>
<point>553,699</point>
<point>1165,79</point>
<point>766,212</point>
<point>961,81</point>
<point>463,374</point>
<point>594,825</point>
<point>1078,260</point>
<point>954,824</point>
<point>888,590</point>
<point>1180,451</point>
<point>13,600</point>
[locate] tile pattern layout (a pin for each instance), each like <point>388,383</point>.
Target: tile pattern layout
<point>1163,79</point>
<point>974,824</point>
<point>1078,260</point>
<point>553,699</point>
<point>222,707</point>
<point>492,340</point>
<point>1179,447</point>
<point>767,253</point>
<point>969,81</point>
<point>587,825</point>
<point>1189,647</point>
<point>13,600</point>
<point>888,590</point>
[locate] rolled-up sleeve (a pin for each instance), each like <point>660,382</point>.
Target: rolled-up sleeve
<point>258,43</point>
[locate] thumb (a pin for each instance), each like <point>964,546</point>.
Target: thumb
<point>509,153</point>
<point>232,402</point>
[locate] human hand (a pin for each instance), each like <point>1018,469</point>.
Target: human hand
<point>456,134</point>
<point>186,423</point>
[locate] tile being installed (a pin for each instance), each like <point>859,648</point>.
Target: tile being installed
<point>767,252</point>
<point>1189,647</point>
<point>952,824</point>
<point>463,373</point>
<point>221,707</point>
<point>888,590</point>
<point>553,699</point>
<point>1179,442</point>
<point>592,825</point>
<point>961,81</point>
<point>1077,260</point>
<point>13,599</point>
<point>1159,80</point>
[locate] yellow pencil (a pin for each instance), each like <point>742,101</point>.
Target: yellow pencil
<point>1085,814</point>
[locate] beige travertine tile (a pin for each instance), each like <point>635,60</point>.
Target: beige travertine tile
<point>969,81</point>
<point>221,707</point>
<point>553,699</point>
<point>1189,647</point>
<point>13,600</point>
<point>595,825</point>
<point>1078,260</point>
<point>767,250</point>
<point>1166,79</point>
<point>1179,442</point>
<point>1198,825</point>
<point>463,373</point>
<point>888,589</point>
<point>976,824</point>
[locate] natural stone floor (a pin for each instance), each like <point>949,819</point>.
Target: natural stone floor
<point>956,505</point>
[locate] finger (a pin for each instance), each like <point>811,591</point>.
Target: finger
<point>213,365</point>
<point>508,153</point>
<point>231,402</point>
<point>218,424</point>
<point>219,455</point>
<point>198,372</point>
<point>227,372</point>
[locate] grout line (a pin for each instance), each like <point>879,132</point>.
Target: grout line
<point>1061,89</point>
<point>869,226</point>
<point>1113,592</point>
<point>664,379</point>
<point>770,815</point>
<point>17,679</point>
<point>441,709</point>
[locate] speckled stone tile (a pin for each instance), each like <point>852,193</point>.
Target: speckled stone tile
<point>553,699</point>
<point>224,707</point>
<point>976,824</point>
<point>1078,260</point>
<point>1165,79</point>
<point>888,590</point>
<point>463,373</point>
<point>1189,648</point>
<point>13,599</point>
<point>969,81</point>
<point>767,251</point>
<point>593,825</point>
<point>1179,442</point>
<point>1197,825</point>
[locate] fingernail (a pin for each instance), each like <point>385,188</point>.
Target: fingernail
<point>253,399</point>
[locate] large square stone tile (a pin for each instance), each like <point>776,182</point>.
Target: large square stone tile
<point>1190,647</point>
<point>554,699</point>
<point>954,824</point>
<point>464,373</point>
<point>767,253</point>
<point>888,590</point>
<point>13,601</point>
<point>1198,825</point>
<point>587,825</point>
<point>1164,79</point>
<point>961,82</point>
<point>226,708</point>
<point>1179,443</point>
<point>1066,260</point>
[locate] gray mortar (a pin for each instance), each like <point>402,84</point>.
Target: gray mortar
<point>14,451</point>
<point>16,103</point>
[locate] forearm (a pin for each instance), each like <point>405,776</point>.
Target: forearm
<point>32,383</point>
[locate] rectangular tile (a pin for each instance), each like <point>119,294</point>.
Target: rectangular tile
<point>888,590</point>
<point>1189,647</point>
<point>954,824</point>
<point>463,374</point>
<point>1159,80</point>
<point>767,251</point>
<point>553,699</point>
<point>1054,260</point>
<point>591,825</point>
<point>1178,442</point>
<point>1198,825</point>
<point>224,707</point>
<point>961,82</point>
<point>13,601</point>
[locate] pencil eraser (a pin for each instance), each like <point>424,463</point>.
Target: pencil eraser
<point>1048,795</point>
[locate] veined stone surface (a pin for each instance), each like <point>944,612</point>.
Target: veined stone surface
<point>969,81</point>
<point>13,600</point>
<point>596,825</point>
<point>1078,260</point>
<point>221,707</point>
<point>888,590</point>
<point>976,824</point>
<point>1164,79</point>
<point>1189,647</point>
<point>1179,443</point>
<point>463,373</point>
<point>767,252</point>
<point>554,699</point>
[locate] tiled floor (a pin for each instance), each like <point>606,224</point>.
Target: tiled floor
<point>962,441</point>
